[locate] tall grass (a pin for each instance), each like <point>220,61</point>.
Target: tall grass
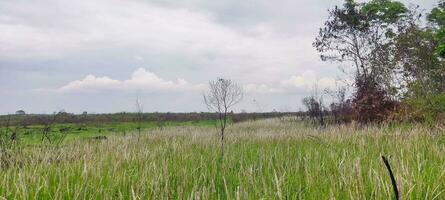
<point>267,159</point>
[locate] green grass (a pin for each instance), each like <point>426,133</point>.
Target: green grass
<point>268,159</point>
<point>33,134</point>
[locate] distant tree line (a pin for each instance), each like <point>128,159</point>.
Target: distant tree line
<point>397,63</point>
<point>65,117</point>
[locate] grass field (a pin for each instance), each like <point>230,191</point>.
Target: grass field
<point>33,134</point>
<point>267,159</point>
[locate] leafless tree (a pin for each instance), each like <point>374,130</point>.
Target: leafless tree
<point>5,136</point>
<point>139,112</point>
<point>340,108</point>
<point>49,133</point>
<point>315,106</point>
<point>47,122</point>
<point>7,139</point>
<point>222,95</point>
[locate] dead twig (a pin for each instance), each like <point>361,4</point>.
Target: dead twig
<point>391,175</point>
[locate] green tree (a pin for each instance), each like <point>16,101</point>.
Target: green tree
<point>437,18</point>
<point>418,62</point>
<point>437,21</point>
<point>364,34</point>
<point>420,55</point>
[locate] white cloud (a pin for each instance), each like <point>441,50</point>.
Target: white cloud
<point>308,80</point>
<point>146,81</point>
<point>141,80</point>
<point>51,30</point>
<point>260,89</point>
<point>327,83</point>
<point>297,83</point>
<point>260,44</point>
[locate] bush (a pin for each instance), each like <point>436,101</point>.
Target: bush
<point>315,109</point>
<point>371,103</point>
<point>341,112</point>
<point>428,109</point>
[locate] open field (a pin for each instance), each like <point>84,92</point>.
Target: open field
<point>32,134</point>
<point>267,159</point>
<point>216,100</point>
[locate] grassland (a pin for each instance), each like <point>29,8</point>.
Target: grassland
<point>267,159</point>
<point>32,134</point>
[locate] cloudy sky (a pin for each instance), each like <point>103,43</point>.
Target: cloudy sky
<point>99,56</point>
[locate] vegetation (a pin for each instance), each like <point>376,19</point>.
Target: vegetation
<point>396,62</point>
<point>33,134</point>
<point>383,140</point>
<point>315,109</point>
<point>139,115</point>
<point>222,95</point>
<point>270,159</point>
<point>124,117</point>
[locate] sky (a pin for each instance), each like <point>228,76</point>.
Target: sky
<point>100,56</point>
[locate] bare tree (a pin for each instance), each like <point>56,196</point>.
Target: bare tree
<point>47,122</point>
<point>315,106</point>
<point>6,143</point>
<point>340,108</point>
<point>49,133</point>
<point>139,112</point>
<point>222,95</point>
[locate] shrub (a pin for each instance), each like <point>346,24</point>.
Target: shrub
<point>429,109</point>
<point>371,103</point>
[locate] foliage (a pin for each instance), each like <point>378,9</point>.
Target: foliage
<point>437,18</point>
<point>20,112</point>
<point>418,63</point>
<point>315,109</point>
<point>430,109</point>
<point>341,107</point>
<point>391,53</point>
<point>371,103</point>
<point>362,34</point>
<point>384,12</point>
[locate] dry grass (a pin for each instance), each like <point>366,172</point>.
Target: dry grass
<point>268,159</point>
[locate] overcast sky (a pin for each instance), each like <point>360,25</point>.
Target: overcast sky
<point>99,56</point>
